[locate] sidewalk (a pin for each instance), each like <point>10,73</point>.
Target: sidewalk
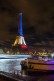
<point>14,77</point>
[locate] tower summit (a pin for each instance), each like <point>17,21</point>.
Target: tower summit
<point>20,41</point>
<point>20,30</point>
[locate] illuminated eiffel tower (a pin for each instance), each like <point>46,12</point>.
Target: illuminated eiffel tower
<point>20,41</point>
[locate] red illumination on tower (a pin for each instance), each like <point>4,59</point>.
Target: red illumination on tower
<point>23,46</point>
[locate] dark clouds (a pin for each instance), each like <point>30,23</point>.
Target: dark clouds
<point>38,17</point>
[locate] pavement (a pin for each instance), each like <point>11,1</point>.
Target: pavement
<point>15,77</point>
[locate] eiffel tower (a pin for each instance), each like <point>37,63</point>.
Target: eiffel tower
<point>20,41</point>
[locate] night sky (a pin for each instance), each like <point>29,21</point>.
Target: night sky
<point>38,18</point>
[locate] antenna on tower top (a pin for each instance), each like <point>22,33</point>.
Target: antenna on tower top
<point>20,13</point>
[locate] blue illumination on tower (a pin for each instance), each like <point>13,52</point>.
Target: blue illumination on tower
<point>20,25</point>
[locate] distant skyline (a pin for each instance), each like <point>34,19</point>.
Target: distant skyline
<point>38,18</point>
